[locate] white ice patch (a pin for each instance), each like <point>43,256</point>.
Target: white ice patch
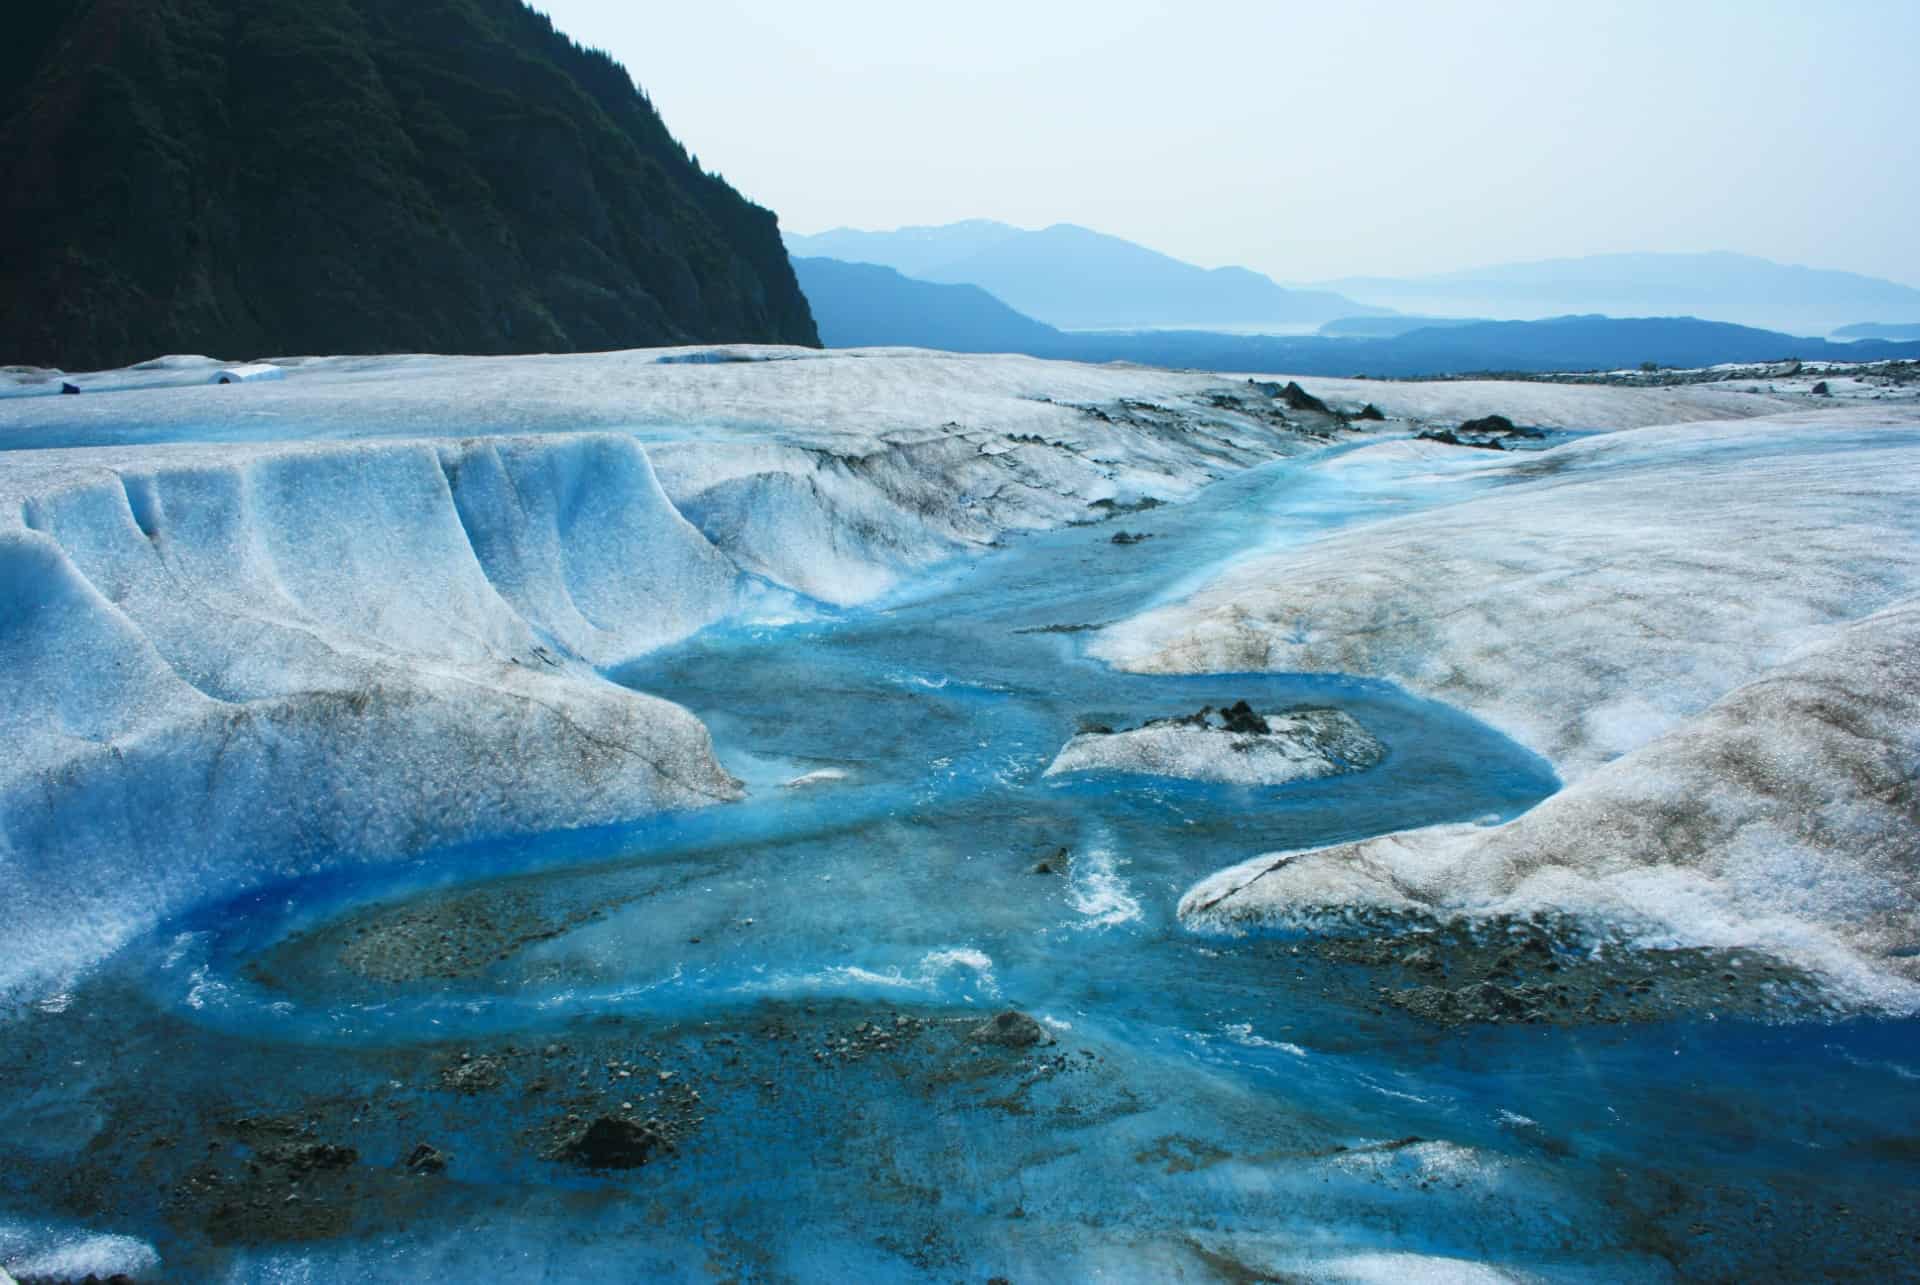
<point>1387,1268</point>
<point>956,972</point>
<point>817,777</point>
<point>1428,1161</point>
<point>45,1251</point>
<point>253,373</point>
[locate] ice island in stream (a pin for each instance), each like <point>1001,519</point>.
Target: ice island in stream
<point>1236,745</point>
<point>714,803</point>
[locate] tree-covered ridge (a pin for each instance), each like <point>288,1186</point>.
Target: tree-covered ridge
<point>248,177</point>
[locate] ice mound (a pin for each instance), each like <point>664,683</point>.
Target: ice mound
<point>1599,594</point>
<point>258,372</point>
<point>1781,819</point>
<point>1710,629</point>
<point>1236,746</point>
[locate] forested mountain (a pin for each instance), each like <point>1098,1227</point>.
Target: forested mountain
<point>250,177</point>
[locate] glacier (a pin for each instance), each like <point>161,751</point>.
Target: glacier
<point>289,626</point>
<point>400,789</point>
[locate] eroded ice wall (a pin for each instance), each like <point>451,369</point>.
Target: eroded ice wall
<point>221,664</point>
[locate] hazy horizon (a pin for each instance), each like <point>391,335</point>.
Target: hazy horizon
<point>1306,143</point>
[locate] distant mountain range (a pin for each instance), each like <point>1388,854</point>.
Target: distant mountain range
<point>252,177</point>
<point>1726,287</point>
<point>869,306</point>
<point>1878,330</point>
<point>1389,326</point>
<point>866,305</point>
<point>1078,279</point>
<point>1074,278</point>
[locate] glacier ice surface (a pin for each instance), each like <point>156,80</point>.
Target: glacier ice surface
<point>1707,628</point>
<point>368,608</point>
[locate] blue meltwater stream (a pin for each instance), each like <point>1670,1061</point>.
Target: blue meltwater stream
<point>785,1005</point>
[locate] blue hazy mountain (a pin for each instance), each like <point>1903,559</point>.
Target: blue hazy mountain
<point>1879,330</point>
<point>1079,279</point>
<point>914,251</point>
<point>866,305</point>
<point>1723,287</point>
<point>1390,326</point>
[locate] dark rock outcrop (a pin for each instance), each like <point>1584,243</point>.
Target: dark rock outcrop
<point>1240,717</point>
<point>1011,1030</point>
<point>1054,864</point>
<point>1298,398</point>
<point>426,1158</point>
<point>613,1142</point>
<point>255,177</point>
<point>1489,432</point>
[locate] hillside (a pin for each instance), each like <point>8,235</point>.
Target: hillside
<point>253,177</point>
<point>1079,279</point>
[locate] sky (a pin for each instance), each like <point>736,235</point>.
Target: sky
<point>1311,141</point>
